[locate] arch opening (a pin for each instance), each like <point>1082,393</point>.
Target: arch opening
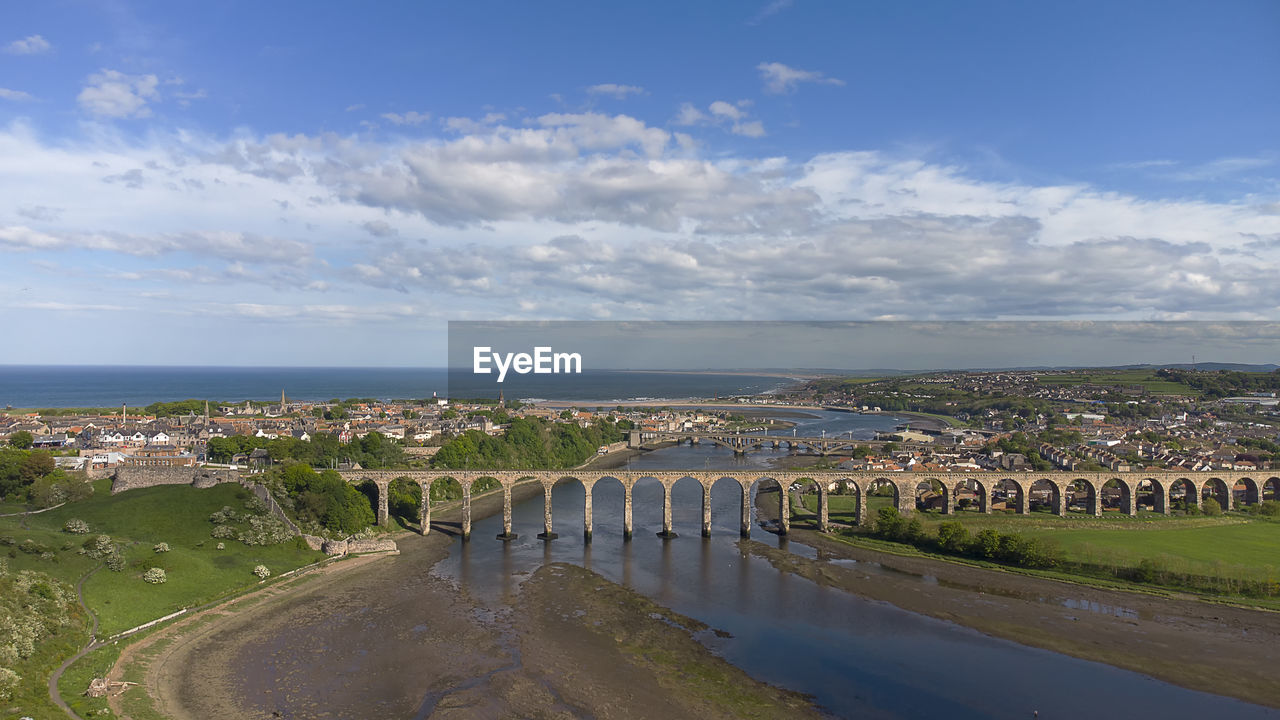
<point>1043,496</point>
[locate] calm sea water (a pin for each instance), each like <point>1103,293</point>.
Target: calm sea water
<point>25,386</point>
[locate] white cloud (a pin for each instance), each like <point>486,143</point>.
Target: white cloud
<point>111,93</point>
<point>596,215</point>
<point>723,114</point>
<point>618,91</point>
<point>15,95</point>
<point>780,79</point>
<point>412,117</point>
<point>30,45</point>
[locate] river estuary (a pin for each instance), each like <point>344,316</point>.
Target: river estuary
<point>856,657</point>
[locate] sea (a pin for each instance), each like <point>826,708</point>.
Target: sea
<point>88,386</point>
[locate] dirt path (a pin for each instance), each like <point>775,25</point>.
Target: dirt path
<point>54,693</point>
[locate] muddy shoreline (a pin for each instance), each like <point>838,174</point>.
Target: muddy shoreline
<point>1214,648</point>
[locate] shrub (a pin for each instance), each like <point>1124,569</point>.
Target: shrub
<point>99,547</point>
<point>223,532</point>
<point>155,576</point>
<point>76,526</point>
<point>1210,507</point>
<point>222,546</point>
<point>161,547</point>
<point>1270,508</point>
<point>115,562</point>
<point>986,544</point>
<point>262,572</point>
<point>953,537</point>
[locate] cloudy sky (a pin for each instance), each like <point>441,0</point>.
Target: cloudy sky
<point>327,184</point>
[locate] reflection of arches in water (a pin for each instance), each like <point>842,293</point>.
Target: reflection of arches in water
<point>1116,496</point>
<point>1217,489</point>
<point>1010,492</point>
<point>971,495</point>
<point>1044,497</point>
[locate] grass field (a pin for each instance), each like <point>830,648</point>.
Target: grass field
<point>1232,545</point>
<point>138,519</point>
<point>1146,378</point>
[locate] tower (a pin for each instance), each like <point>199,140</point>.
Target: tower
<point>501,402</point>
<point>124,413</point>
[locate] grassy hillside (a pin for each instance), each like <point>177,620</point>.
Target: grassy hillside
<point>136,521</point>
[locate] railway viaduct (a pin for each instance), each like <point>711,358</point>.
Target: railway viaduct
<point>1016,487</point>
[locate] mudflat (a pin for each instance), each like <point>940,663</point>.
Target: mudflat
<point>1212,647</point>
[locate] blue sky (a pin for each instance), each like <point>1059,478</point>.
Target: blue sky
<point>321,184</point>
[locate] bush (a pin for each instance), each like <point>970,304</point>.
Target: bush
<point>953,537</point>
<point>155,576</point>
<point>99,547</point>
<point>1210,507</point>
<point>1270,508</point>
<point>986,544</point>
<point>76,526</point>
<point>223,532</point>
<point>115,562</point>
<point>222,546</point>
<point>262,572</point>
<point>161,547</point>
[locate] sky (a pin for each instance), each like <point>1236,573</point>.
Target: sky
<point>321,183</point>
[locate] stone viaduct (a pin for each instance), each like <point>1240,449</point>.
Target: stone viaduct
<point>1017,487</point>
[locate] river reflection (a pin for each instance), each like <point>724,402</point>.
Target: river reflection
<point>858,658</point>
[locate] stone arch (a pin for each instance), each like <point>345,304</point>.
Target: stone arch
<point>1246,491</point>
<point>779,484</point>
<point>1271,489</point>
<point>1010,491</point>
<point>1217,489</point>
<point>682,496</point>
<point>1116,495</point>
<point>1151,494</point>
<point>613,489</point>
<point>741,493</point>
<point>569,485</point>
<point>929,494</point>
<point>875,489</point>
<point>1044,496</point>
<point>1083,496</point>
<point>404,501</point>
<point>375,493</point>
<point>1183,494</point>
<point>971,494</point>
<point>643,504</point>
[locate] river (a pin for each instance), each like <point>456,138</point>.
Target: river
<point>856,657</point>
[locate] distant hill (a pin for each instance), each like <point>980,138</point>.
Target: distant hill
<point>1204,366</point>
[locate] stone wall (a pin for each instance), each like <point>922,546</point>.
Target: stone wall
<point>132,478</point>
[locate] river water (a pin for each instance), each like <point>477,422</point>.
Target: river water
<point>856,657</point>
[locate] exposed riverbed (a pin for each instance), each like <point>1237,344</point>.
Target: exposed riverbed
<point>448,629</point>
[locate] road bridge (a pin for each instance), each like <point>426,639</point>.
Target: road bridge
<point>741,443</point>
<point>1016,489</point>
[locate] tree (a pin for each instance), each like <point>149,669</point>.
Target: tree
<point>953,537</point>
<point>21,439</point>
